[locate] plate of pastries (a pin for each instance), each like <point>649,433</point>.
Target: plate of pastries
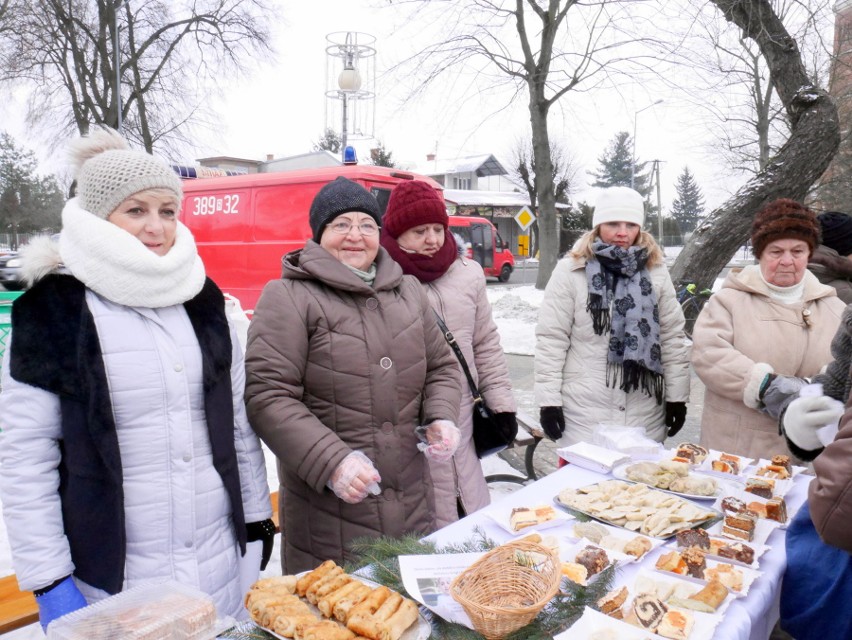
<point>330,604</point>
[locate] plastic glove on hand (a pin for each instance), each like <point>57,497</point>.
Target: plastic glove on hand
<point>63,598</point>
<point>354,478</point>
<point>442,440</point>
<point>265,532</point>
<point>675,417</point>
<point>805,415</point>
<point>552,421</point>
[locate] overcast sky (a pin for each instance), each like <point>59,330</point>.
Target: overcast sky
<point>281,108</point>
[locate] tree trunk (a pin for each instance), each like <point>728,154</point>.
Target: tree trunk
<point>814,138</point>
<point>548,237</point>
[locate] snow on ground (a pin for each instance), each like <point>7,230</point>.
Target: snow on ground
<point>515,310</point>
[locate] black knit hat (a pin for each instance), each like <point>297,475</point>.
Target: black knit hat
<point>836,231</point>
<point>784,219</point>
<point>341,196</point>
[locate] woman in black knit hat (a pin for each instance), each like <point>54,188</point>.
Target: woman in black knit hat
<point>773,318</point>
<point>346,371</point>
<point>831,262</point>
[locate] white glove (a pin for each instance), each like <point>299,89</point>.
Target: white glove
<point>805,415</point>
<point>440,440</point>
<point>354,478</point>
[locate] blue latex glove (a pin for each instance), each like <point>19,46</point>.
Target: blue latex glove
<point>61,599</point>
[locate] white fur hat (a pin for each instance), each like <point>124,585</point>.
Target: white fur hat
<point>619,204</point>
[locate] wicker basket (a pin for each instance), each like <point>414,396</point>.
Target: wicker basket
<point>508,587</point>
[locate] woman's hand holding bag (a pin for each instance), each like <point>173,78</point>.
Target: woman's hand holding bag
<point>354,478</point>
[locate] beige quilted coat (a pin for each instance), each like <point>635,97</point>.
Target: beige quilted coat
<point>741,335</point>
<point>570,359</point>
<point>333,366</point>
<point>459,296</point>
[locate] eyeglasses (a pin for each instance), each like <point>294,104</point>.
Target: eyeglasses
<point>343,227</point>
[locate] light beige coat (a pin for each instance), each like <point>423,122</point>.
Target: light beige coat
<point>459,297</point>
<point>571,360</point>
<point>741,335</point>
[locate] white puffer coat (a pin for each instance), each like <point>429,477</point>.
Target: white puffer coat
<point>459,297</point>
<point>570,359</point>
<point>177,511</point>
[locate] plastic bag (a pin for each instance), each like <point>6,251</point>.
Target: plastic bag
<point>630,440</point>
<point>238,317</point>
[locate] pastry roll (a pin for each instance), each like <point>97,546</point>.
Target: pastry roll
<point>286,582</point>
<point>324,630</point>
<point>344,605</point>
<point>327,603</point>
<point>309,578</point>
<point>327,583</point>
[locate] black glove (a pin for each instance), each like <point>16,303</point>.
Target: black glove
<point>552,421</point>
<point>508,425</point>
<point>675,417</point>
<point>265,531</point>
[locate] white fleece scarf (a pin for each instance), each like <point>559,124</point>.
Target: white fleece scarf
<point>116,265</point>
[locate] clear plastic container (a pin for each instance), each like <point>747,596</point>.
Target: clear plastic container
<point>152,611</point>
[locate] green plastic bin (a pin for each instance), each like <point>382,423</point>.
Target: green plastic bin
<point>6,300</point>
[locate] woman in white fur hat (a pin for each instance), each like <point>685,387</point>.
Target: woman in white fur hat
<point>125,450</point>
<point>610,347</point>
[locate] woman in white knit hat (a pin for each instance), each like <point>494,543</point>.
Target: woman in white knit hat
<point>610,347</point>
<point>125,450</point>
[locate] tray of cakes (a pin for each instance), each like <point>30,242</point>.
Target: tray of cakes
<point>150,611</point>
<point>725,465</point>
<point>636,507</point>
<point>773,509</point>
<point>688,453</point>
<point>329,604</point>
<point>615,539</point>
<point>725,549</point>
<point>516,520</point>
<point>582,562</point>
<point>675,477</point>
<point>655,604</point>
<point>740,523</point>
<point>778,467</point>
<point>694,564</point>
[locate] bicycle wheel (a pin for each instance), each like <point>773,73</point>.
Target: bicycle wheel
<point>691,308</point>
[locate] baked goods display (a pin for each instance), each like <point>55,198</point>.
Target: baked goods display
<point>700,538</point>
<point>167,610</point>
<point>669,475</point>
<point>348,609</point>
<point>692,562</point>
<point>606,538</point>
<point>692,453</point>
<point>636,507</point>
<point>523,517</point>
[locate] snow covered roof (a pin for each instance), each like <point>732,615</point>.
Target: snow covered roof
<point>476,198</point>
<point>482,165</point>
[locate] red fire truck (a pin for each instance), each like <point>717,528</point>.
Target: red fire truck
<point>244,225</point>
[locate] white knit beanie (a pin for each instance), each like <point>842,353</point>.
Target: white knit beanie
<point>619,204</point>
<point>108,172</point>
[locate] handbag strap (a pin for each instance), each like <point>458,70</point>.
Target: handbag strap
<point>477,397</point>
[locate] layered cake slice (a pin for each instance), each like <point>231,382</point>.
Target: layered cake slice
<point>695,561</point>
<point>737,551</point>
<point>739,525</point>
<point>693,538</point>
<point>776,509</point>
<point>762,487</point>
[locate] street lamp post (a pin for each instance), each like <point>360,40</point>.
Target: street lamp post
<point>633,160</point>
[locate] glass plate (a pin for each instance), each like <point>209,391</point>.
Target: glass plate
<point>713,515</point>
<point>724,486</point>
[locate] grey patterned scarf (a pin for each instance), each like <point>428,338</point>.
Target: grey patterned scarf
<point>618,280</point>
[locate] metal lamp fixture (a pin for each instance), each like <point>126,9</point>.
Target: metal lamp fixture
<point>353,83</point>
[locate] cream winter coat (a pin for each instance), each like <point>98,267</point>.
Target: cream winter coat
<point>741,335</point>
<point>459,297</point>
<point>571,360</point>
<point>177,513</point>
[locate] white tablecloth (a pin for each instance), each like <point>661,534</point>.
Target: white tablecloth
<point>749,618</point>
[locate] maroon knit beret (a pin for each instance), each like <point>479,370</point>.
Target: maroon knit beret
<point>411,204</point>
<point>784,219</point>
